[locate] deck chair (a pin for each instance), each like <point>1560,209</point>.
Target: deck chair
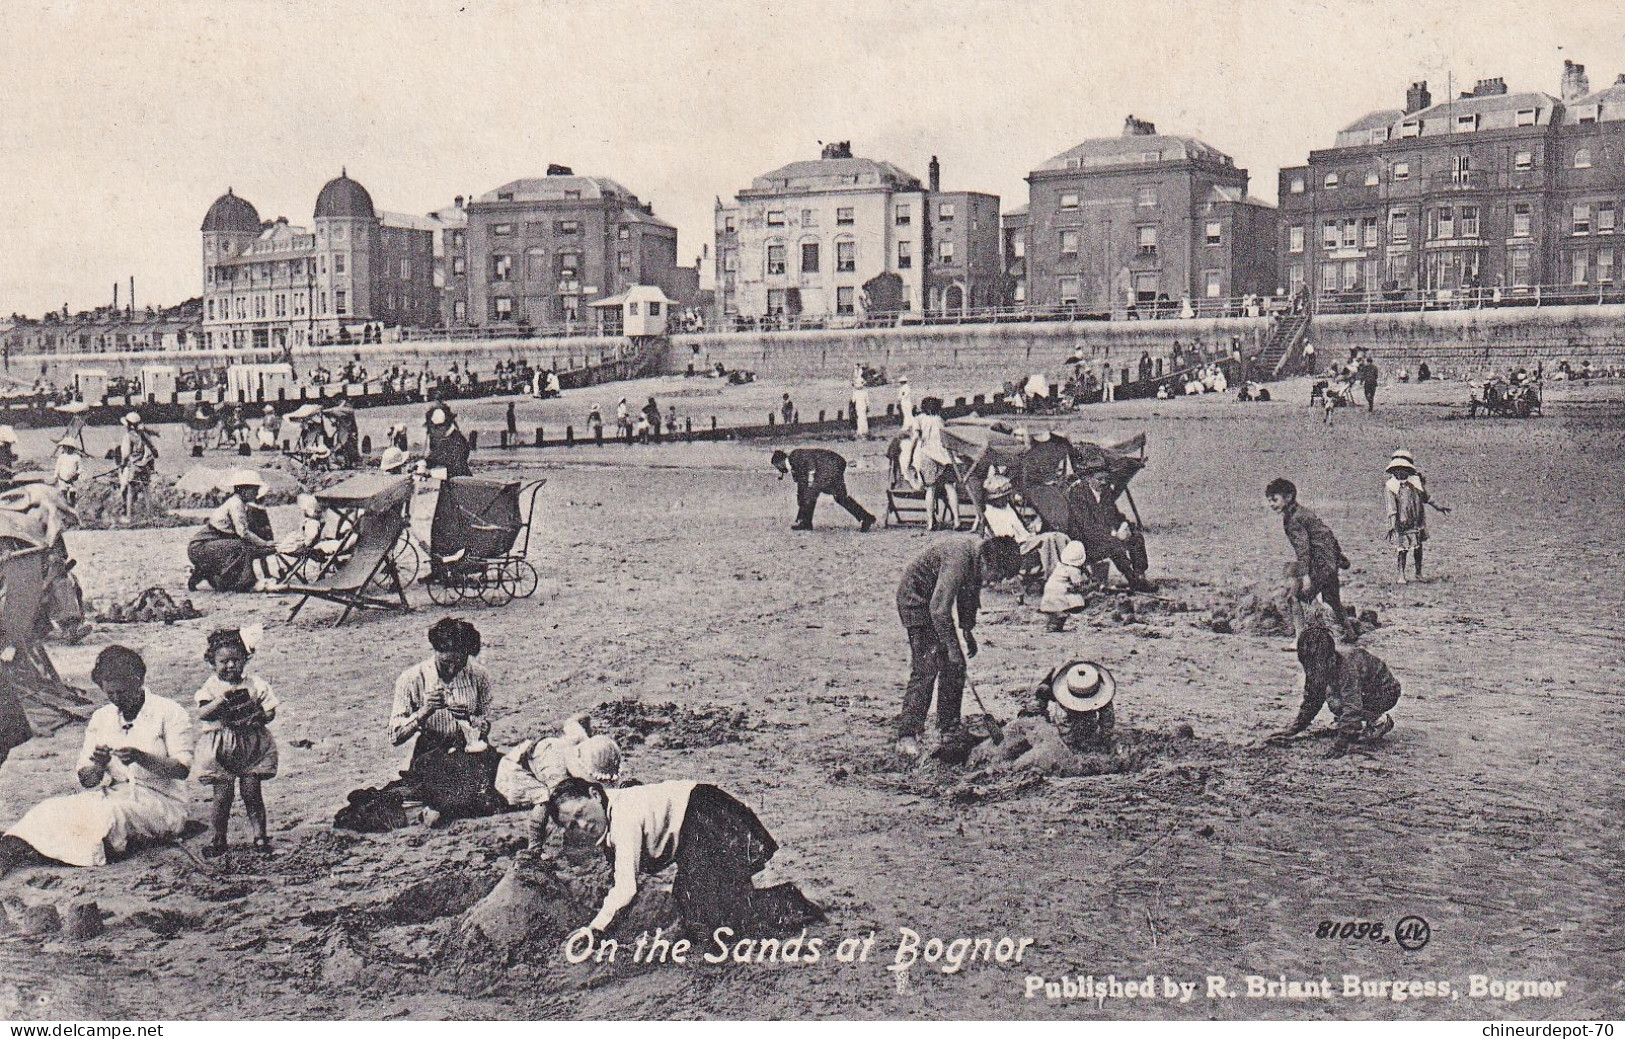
<point>365,580</point>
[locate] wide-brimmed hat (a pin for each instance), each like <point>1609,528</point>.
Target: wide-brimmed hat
<point>393,460</point>
<point>440,417</point>
<point>597,759</point>
<point>998,486</point>
<point>244,478</point>
<point>1401,463</point>
<point>1074,554</point>
<point>69,442</point>
<point>1082,686</point>
<point>132,419</point>
<point>305,411</point>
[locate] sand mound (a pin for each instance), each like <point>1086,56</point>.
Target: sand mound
<point>633,723</point>
<point>152,605</point>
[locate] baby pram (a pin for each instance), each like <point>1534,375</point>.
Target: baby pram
<point>480,539</point>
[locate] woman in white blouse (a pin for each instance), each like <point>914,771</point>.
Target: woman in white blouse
<point>133,767</point>
<point>237,533</point>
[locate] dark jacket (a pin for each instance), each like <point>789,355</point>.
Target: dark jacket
<point>818,469</point>
<point>1319,554</point>
<point>1360,691</point>
<point>1092,521</point>
<point>948,572</point>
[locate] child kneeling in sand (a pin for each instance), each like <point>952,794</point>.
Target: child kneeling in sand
<point>528,773</point>
<point>1066,590</point>
<point>1356,685</point>
<point>235,746</point>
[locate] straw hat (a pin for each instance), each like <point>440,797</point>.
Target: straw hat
<point>305,411</point>
<point>244,478</point>
<point>1402,460</point>
<point>393,460</point>
<point>1083,686</point>
<point>132,419</point>
<point>1074,554</point>
<point>597,759</point>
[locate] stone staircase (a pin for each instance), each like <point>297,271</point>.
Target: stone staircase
<point>1281,355</point>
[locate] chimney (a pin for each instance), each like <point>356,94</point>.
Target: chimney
<point>459,201</point>
<point>1619,79</point>
<point>1133,127</point>
<point>555,170</point>
<point>1417,97</point>
<point>115,295</point>
<point>935,174</point>
<point>1575,83</point>
<point>1490,87</point>
<point>837,150</point>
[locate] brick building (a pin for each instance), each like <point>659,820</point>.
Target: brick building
<point>272,285</point>
<point>1490,191</point>
<point>1143,217</point>
<point>536,251</point>
<point>965,268</point>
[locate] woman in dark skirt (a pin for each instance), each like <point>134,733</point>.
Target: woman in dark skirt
<point>236,534</point>
<point>717,844</point>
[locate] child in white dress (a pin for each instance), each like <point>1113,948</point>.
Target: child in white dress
<point>234,745</point>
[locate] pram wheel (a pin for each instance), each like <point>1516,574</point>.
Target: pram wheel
<point>496,588</point>
<point>522,576</point>
<point>408,560</point>
<point>446,589</point>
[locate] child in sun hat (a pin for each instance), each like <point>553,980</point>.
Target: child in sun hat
<point>1408,501</point>
<point>1077,697</point>
<point>528,773</point>
<point>1066,590</point>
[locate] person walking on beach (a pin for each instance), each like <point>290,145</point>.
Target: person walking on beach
<point>818,471</point>
<point>1368,380</point>
<point>1407,498</point>
<point>1314,573</point>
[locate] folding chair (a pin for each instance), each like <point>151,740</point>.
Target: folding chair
<point>369,565</point>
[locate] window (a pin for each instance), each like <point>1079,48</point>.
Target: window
<point>623,261</point>
<point>1412,128</point>
<point>1519,262</point>
<point>809,257</point>
<point>570,226</point>
<point>1605,218</point>
<point>572,193</point>
<point>1527,116</point>
<point>1018,247</point>
<point>341,302</point>
<point>502,230</point>
<point>280,307</point>
<point>945,211</point>
<point>632,309</point>
<point>1379,135</point>
<point>1145,195</point>
<point>1294,278</point>
<point>1368,232</point>
<point>338,263</point>
<point>1296,187</point>
<point>1469,221</point>
<point>1461,169</point>
<point>259,306</point>
<point>730,260</point>
<point>1329,275</point>
<point>1371,178</point>
<point>1582,219</point>
<point>1582,159</point>
<point>1210,284</point>
<point>1021,290</point>
<point>728,225</point>
<point>654,308</point>
<point>536,264</point>
<point>569,263</point>
<point>1588,114</point>
<point>905,255</point>
<point>775,259</point>
<point>1444,222</point>
<point>1520,220</point>
<point>845,300</point>
<point>299,304</point>
<point>809,218</point>
<point>1328,235</point>
<point>502,308</point>
<point>323,301</point>
<point>846,257</point>
<point>501,267</point>
<point>406,268</point>
<point>1148,239</point>
<point>1351,233</point>
<point>1523,161</point>
<point>1068,291</point>
<point>775,218</point>
<point>843,216</point>
<point>211,310</point>
<point>1467,123</point>
<point>459,265</point>
<point>1294,238</point>
<point>1402,171</point>
<point>945,251</point>
<point>1605,266</point>
<point>1069,245</point>
<point>901,215</point>
<point>1331,181</point>
<point>1581,268</point>
<point>1399,227</point>
<point>1069,200</point>
<point>1214,232</point>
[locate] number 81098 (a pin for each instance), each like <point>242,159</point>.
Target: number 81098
<point>1368,930</point>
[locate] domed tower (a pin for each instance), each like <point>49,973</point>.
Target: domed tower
<point>346,233</point>
<point>231,224</point>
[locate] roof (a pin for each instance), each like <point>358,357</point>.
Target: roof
<point>1610,102</point>
<point>1382,117</point>
<point>1134,150</point>
<point>231,213</point>
<point>638,293</point>
<point>1494,112</point>
<point>638,216</point>
<point>834,173</point>
<point>343,197</point>
<point>1020,210</point>
<point>1227,193</point>
<point>409,220</point>
<point>556,189</point>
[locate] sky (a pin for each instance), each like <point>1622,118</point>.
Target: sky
<point>122,122</point>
